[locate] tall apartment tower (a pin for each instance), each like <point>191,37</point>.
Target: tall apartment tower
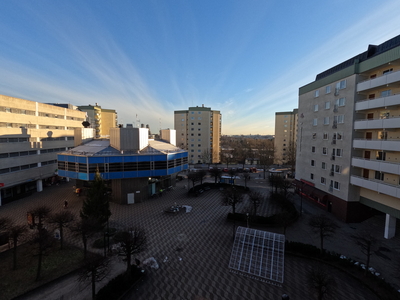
<point>101,119</point>
<point>285,136</point>
<point>31,135</point>
<point>348,144</point>
<point>198,130</point>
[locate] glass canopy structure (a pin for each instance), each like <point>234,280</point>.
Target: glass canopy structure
<point>258,253</point>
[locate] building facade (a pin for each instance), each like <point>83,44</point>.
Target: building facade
<point>348,144</point>
<point>101,119</point>
<point>31,135</point>
<point>285,137</point>
<point>198,130</point>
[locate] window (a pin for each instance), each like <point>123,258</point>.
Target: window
<point>323,180</point>
<point>324,150</point>
<point>337,169</point>
<point>199,112</point>
<point>192,140</point>
<point>316,93</point>
<point>192,134</point>
<point>199,150</point>
<point>192,112</point>
<point>326,120</point>
<point>327,89</point>
<point>199,140</point>
<point>338,136</point>
<point>379,175</point>
<point>192,150</point>
<point>387,71</point>
<point>323,165</point>
<point>312,176</point>
<point>315,122</point>
<point>192,118</point>
<point>312,163</point>
<point>316,107</point>
<point>386,93</point>
<point>199,118</point>
<point>199,129</point>
<point>183,120</point>
<point>314,136</point>
<point>199,123</point>
<point>341,85</point>
<point>326,136</point>
<point>192,129</point>
<point>340,101</point>
<point>312,149</point>
<point>192,145</point>
<point>340,119</point>
<point>339,152</point>
<point>327,105</point>
<point>336,185</point>
<point>192,123</point>
<point>199,134</point>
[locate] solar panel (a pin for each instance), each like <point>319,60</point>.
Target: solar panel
<point>258,253</point>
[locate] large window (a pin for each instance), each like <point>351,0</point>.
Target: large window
<point>327,89</point>
<point>386,93</point>
<point>341,85</point>
<point>327,105</point>
<point>315,122</point>
<point>316,94</point>
<point>316,107</point>
<point>341,102</point>
<point>326,120</point>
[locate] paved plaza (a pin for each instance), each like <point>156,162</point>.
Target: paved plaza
<point>193,249</point>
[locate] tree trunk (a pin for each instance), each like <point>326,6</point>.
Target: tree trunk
<point>84,240</point>
<point>322,241</point>
<point>39,269</point>
<point>93,284</point>
<point>61,236</point>
<point>15,253</point>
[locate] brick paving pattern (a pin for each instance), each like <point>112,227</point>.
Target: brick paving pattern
<point>193,249</point>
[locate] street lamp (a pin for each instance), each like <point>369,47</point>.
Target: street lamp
<point>247,217</point>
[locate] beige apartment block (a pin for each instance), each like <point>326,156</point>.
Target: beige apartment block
<point>31,135</point>
<point>285,136</point>
<point>101,119</point>
<point>198,130</point>
<point>348,143</point>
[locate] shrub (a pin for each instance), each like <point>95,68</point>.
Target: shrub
<point>117,286</point>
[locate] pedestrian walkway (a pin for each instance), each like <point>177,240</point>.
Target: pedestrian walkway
<point>193,249</point>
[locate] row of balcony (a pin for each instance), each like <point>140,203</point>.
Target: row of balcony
<point>379,81</point>
<point>387,123</point>
<point>378,102</point>
<point>376,185</point>
<point>377,165</point>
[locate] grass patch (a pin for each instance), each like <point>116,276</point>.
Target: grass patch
<point>55,264</point>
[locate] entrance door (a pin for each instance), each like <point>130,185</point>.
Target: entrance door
<point>368,135</point>
<point>367,154</point>
<point>370,116</point>
<point>366,173</point>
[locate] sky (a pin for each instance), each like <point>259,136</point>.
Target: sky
<point>246,59</point>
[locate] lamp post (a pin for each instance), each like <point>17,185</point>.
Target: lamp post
<point>247,218</point>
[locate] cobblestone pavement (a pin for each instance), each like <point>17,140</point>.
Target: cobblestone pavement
<point>193,249</point>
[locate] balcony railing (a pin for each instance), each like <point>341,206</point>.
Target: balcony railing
<point>377,102</point>
<point>376,164</point>
<point>388,122</point>
<point>376,185</point>
<point>378,81</point>
<point>386,145</point>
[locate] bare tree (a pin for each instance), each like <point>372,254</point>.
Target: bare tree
<point>255,199</point>
<point>43,240</point>
<point>94,270</point>
<point>246,177</point>
<point>367,242</point>
<point>132,241</point>
<point>16,232</point>
<point>206,157</point>
<point>231,197</point>
<point>320,281</point>
<point>86,228</point>
<point>232,174</point>
<point>61,219</point>
<point>323,226</point>
<point>201,174</point>
<point>216,173</point>
<point>40,213</point>
<point>193,177</point>
<point>266,151</point>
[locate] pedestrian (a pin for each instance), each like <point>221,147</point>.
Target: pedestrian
<point>65,204</point>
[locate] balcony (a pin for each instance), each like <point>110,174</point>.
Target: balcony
<point>378,102</point>
<point>377,123</point>
<point>379,81</point>
<point>385,145</point>
<point>377,165</point>
<point>376,185</point>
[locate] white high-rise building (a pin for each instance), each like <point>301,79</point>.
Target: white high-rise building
<point>348,143</point>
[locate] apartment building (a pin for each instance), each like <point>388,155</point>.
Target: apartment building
<point>348,149</point>
<point>101,119</point>
<point>31,135</point>
<point>285,136</point>
<point>198,130</point>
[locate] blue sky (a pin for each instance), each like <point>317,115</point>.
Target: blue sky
<point>244,58</point>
